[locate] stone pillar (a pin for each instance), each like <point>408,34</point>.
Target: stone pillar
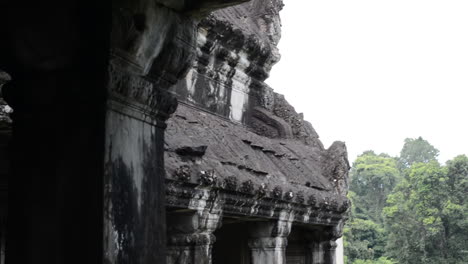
<point>268,240</point>
<point>339,251</point>
<point>317,254</point>
<point>329,252</point>
<point>322,244</point>
<point>190,236</point>
<point>268,250</point>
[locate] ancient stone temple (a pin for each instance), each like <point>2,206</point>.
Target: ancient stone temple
<point>143,132</point>
<point>247,179</point>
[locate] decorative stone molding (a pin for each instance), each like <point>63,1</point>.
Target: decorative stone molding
<point>277,192</point>
<point>262,190</point>
<point>129,91</point>
<point>183,173</point>
<point>208,178</point>
<point>247,187</point>
<point>231,183</point>
<point>300,197</point>
<point>259,204</point>
<point>289,195</point>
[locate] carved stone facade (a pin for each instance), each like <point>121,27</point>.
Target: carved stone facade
<point>143,132</point>
<point>237,148</point>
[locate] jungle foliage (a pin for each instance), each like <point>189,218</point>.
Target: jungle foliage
<point>407,209</point>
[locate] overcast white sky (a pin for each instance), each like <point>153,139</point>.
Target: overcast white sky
<point>373,72</point>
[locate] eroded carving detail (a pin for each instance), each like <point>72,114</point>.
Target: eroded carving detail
<point>208,177</point>
<point>289,195</point>
<point>262,190</point>
<point>277,192</point>
<point>183,173</point>
<point>247,187</point>
<point>231,183</point>
<point>300,197</point>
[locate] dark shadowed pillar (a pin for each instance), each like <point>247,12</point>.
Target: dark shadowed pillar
<point>57,54</point>
<point>316,250</point>
<point>330,252</point>
<point>324,248</point>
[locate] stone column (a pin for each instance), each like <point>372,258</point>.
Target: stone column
<point>268,240</point>
<point>322,244</point>
<point>190,236</point>
<point>329,248</point>
<point>316,252</point>
<point>268,250</point>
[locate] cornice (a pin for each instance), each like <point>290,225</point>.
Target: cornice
<point>259,201</point>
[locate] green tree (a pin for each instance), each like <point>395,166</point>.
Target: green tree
<point>363,239</point>
<point>416,150</point>
<point>455,211</point>
<point>425,216</point>
<point>373,177</point>
<point>381,260</point>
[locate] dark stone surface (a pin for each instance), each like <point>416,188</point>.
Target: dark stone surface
<point>231,149</point>
<point>134,193</point>
<point>56,55</point>
<point>84,74</point>
<point>191,151</point>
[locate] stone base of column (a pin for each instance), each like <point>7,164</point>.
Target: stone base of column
<point>190,236</point>
<point>330,252</point>
<point>268,250</point>
<point>190,248</point>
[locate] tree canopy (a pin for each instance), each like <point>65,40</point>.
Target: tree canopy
<point>408,209</point>
<point>373,177</point>
<point>417,150</point>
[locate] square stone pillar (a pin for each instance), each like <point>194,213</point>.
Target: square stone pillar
<point>317,254</point>
<point>329,252</point>
<point>268,250</point>
<point>268,240</point>
<point>190,236</point>
<point>322,244</point>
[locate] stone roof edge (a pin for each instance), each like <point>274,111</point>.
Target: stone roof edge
<point>256,201</point>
